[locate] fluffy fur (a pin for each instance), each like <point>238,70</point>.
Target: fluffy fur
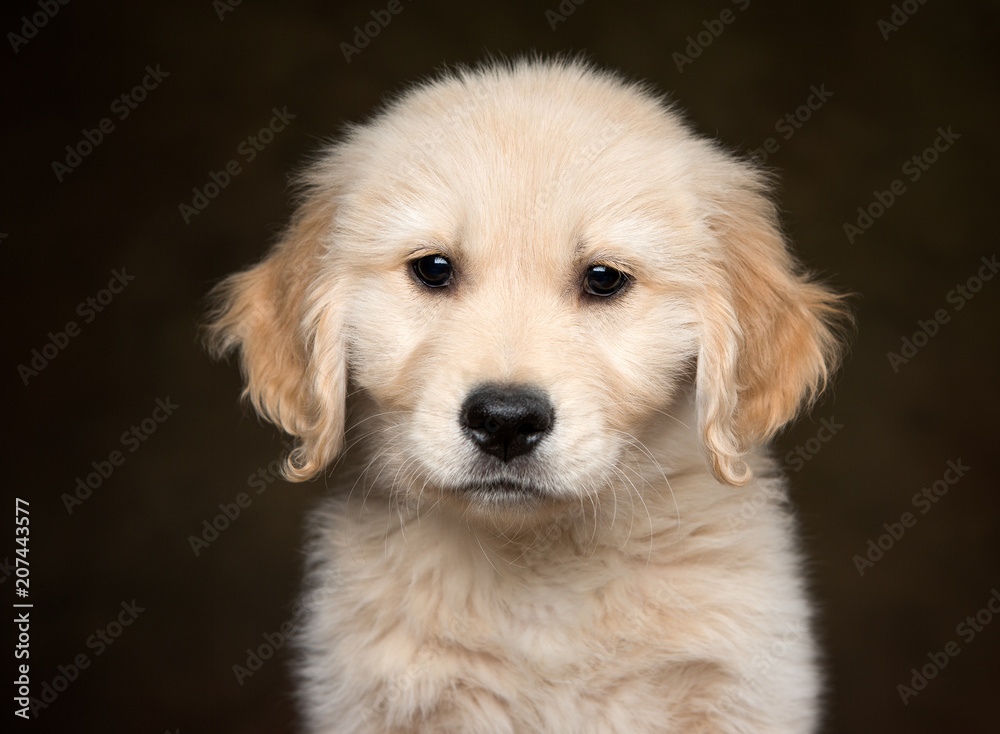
<point>640,585</point>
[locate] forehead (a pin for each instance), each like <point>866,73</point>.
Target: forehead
<point>570,163</point>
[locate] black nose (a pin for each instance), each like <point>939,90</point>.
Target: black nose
<point>506,421</point>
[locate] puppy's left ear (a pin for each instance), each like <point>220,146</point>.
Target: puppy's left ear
<point>287,328</point>
<point>771,336</point>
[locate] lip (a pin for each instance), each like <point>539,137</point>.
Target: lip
<point>502,490</point>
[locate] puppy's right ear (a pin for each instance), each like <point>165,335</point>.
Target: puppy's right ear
<point>291,352</point>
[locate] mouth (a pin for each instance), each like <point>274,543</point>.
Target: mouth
<point>502,491</point>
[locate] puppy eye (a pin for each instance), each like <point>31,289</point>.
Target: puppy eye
<point>434,271</point>
<point>604,281</point>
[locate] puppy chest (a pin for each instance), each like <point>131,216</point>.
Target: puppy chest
<point>540,628</point>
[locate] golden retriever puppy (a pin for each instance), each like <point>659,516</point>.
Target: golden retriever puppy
<point>547,330</point>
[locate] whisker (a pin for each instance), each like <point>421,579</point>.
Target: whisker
<point>665,413</point>
<point>374,416</point>
<point>649,515</point>
<point>631,524</point>
<point>642,447</point>
<point>480,543</point>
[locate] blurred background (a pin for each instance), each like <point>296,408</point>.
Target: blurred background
<point>880,119</point>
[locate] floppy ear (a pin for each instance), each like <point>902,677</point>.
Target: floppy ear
<point>291,350</point>
<point>770,334</point>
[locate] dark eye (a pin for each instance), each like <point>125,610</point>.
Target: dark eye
<point>434,271</point>
<point>604,281</point>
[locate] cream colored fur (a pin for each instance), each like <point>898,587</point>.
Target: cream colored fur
<point>631,594</point>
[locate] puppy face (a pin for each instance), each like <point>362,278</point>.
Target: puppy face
<point>516,271</point>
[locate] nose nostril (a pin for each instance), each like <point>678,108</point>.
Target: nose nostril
<point>530,428</point>
<point>506,421</point>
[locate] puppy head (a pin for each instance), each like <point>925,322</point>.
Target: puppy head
<point>518,269</point>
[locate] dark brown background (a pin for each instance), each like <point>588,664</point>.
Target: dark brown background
<point>173,667</point>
